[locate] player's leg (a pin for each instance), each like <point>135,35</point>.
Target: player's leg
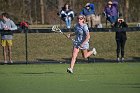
<point>3,43</point>
<point>74,56</point>
<point>69,22</point>
<point>87,53</point>
<point>4,54</point>
<point>118,49</point>
<point>9,44</point>
<point>114,19</point>
<point>73,59</point>
<point>122,50</point>
<point>10,53</point>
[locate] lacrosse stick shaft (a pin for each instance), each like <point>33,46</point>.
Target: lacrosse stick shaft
<point>58,30</point>
<point>67,36</point>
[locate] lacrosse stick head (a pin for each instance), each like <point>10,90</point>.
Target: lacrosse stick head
<point>55,28</point>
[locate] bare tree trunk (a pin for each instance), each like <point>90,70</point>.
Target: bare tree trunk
<point>126,10</point>
<point>35,4</point>
<point>23,11</point>
<point>60,4</point>
<point>73,4</point>
<point>30,12</point>
<point>42,11</point>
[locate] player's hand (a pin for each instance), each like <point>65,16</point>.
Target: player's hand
<point>108,15</point>
<point>6,28</point>
<point>81,46</point>
<point>68,36</point>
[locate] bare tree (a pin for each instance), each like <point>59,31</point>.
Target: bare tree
<point>60,4</point>
<point>42,11</point>
<point>35,7</point>
<point>126,9</point>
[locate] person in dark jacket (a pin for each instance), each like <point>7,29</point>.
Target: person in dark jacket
<point>67,15</point>
<point>120,38</point>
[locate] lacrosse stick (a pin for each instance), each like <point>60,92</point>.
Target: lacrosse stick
<point>56,29</point>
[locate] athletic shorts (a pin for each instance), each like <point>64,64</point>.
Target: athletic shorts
<point>6,43</point>
<point>85,46</point>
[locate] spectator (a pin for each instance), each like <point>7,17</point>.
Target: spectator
<point>67,15</point>
<point>7,25</point>
<point>111,12</point>
<point>81,42</point>
<point>120,38</point>
<point>89,12</point>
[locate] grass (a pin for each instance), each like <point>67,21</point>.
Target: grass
<point>53,46</point>
<point>88,78</point>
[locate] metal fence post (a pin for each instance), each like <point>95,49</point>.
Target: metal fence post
<point>26,44</point>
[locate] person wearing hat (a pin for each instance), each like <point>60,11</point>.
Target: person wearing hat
<point>89,12</point>
<point>120,38</point>
<point>81,42</point>
<point>111,12</point>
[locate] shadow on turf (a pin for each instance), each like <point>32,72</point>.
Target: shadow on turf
<point>90,60</point>
<point>131,85</point>
<point>103,60</point>
<point>41,73</point>
<point>67,61</point>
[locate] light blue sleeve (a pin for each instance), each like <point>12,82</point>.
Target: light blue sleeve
<point>13,26</point>
<point>85,28</point>
<point>1,25</point>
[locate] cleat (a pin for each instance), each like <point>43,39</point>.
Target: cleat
<point>122,59</point>
<point>94,51</point>
<point>118,59</point>
<point>69,70</point>
<point>5,62</point>
<point>11,61</point>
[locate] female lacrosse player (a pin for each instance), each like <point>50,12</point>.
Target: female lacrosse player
<point>7,25</point>
<point>81,41</point>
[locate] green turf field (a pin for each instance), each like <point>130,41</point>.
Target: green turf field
<point>54,46</point>
<point>95,77</point>
<point>87,78</point>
